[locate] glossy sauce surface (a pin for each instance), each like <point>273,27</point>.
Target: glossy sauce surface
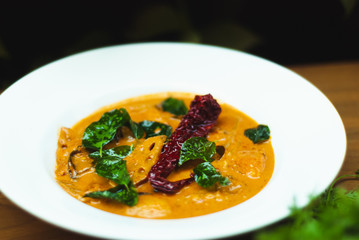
<point>248,166</point>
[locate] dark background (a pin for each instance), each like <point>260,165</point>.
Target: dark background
<point>286,32</point>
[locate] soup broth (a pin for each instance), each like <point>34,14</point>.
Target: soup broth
<point>247,166</point>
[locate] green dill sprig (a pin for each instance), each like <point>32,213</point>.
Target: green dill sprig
<point>346,176</point>
<point>331,216</point>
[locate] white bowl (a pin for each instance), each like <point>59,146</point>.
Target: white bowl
<point>308,136</point>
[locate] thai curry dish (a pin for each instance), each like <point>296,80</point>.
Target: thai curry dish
<point>164,156</point>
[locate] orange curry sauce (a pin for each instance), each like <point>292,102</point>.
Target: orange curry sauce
<point>248,166</point>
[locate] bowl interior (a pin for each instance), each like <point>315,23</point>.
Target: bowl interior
<point>307,132</point>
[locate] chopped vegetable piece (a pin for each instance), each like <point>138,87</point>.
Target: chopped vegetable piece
<point>220,151</point>
<point>199,120</point>
<point>152,128</point>
<point>206,175</point>
<point>174,106</point>
<point>197,148</point>
<point>259,134</point>
<point>143,157</point>
<point>71,166</point>
<point>126,194</point>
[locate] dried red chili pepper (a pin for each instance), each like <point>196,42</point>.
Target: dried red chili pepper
<point>201,117</point>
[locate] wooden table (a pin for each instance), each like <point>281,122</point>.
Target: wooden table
<point>338,81</point>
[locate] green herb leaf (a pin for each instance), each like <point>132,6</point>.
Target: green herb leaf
<point>197,148</point>
<point>136,129</point>
<point>206,175</point>
<point>155,128</point>
<point>259,134</point>
<point>113,168</point>
<point>99,133</point>
<point>120,151</point>
<point>337,220</point>
<point>174,106</point>
<point>331,216</point>
<point>331,187</point>
<point>126,194</point>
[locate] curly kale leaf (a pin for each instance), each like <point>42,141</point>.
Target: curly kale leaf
<point>126,194</point>
<point>99,133</point>
<point>153,128</point>
<point>137,130</point>
<point>206,175</point>
<point>258,134</point>
<point>174,106</point>
<point>120,151</point>
<point>197,148</point>
<point>113,167</point>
